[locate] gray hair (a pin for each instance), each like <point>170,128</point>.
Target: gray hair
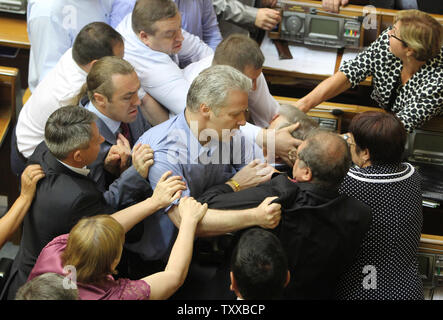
<point>68,129</point>
<point>328,157</point>
<point>293,115</point>
<point>212,87</point>
<point>47,286</point>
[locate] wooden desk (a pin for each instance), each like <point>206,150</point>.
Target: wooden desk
<point>9,78</point>
<point>13,32</point>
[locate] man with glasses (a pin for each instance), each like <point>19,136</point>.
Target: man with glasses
<point>320,230</point>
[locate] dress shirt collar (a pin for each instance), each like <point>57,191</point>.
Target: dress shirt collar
<point>112,125</point>
<point>83,171</point>
<point>209,149</point>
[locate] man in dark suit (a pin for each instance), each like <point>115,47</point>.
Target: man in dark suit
<point>72,141</point>
<point>112,88</point>
<point>321,231</point>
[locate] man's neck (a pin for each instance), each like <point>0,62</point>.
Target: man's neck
<point>195,124</point>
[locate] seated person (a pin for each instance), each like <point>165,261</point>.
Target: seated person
<point>94,247</point>
<point>259,266</point>
<point>61,86</point>
<point>111,87</point>
<point>392,189</point>
<point>157,48</point>
<point>66,194</point>
<point>400,61</point>
<point>47,286</point>
<point>318,227</point>
<point>10,222</point>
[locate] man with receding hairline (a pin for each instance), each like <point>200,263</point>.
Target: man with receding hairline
<point>319,227</point>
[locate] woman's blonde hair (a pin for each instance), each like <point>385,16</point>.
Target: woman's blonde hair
<point>94,244</point>
<point>421,32</point>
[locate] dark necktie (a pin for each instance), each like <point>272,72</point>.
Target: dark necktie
<point>124,129</point>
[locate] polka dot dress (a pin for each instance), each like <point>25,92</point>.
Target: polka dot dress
<point>386,266</point>
<point>418,100</point>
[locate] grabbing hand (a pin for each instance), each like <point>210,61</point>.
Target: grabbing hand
<point>267,19</point>
<point>190,208</point>
<point>268,214</point>
<point>253,174</point>
<point>142,159</point>
<point>168,189</point>
<point>117,159</point>
<point>333,5</point>
<point>30,176</point>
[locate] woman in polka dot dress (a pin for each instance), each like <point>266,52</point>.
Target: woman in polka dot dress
<point>406,65</point>
<point>386,266</point>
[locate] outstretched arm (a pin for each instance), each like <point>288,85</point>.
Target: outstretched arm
<point>164,284</point>
<point>12,219</point>
<point>326,90</point>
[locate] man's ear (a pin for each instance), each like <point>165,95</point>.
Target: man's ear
<point>205,111</point>
<point>145,38</point>
<point>99,100</point>
<point>77,155</point>
<point>306,174</point>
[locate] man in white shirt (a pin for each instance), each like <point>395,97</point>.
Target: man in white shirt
<point>61,86</point>
<point>156,46</point>
<point>54,24</point>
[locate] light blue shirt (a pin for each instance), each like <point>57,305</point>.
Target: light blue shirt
<point>178,150</point>
<point>198,18</point>
<point>54,24</point>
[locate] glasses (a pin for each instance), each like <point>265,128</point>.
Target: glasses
<point>392,35</point>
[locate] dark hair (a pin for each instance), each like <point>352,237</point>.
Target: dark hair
<point>148,12</point>
<point>47,286</point>
<point>94,41</point>
<point>382,133</point>
<point>67,129</point>
<point>259,265</point>
<point>239,51</point>
<point>328,157</point>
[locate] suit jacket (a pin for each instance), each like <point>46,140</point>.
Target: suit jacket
<point>62,198</point>
<point>320,230</point>
<point>130,187</point>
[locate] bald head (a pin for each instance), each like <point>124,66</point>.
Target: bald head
<point>328,157</point>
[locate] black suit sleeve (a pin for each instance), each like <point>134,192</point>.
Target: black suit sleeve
<point>223,197</point>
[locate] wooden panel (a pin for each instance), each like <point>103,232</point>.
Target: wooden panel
<point>13,32</point>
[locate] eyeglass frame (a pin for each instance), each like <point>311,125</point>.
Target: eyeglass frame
<point>395,37</point>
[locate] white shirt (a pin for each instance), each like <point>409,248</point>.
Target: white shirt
<point>57,89</point>
<point>54,24</point>
<point>159,74</point>
<point>83,171</point>
<point>262,105</point>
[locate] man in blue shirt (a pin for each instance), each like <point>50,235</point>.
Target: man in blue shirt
<point>202,145</point>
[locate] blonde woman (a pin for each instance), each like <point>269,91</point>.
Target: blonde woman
<point>405,63</point>
<point>92,251</point>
